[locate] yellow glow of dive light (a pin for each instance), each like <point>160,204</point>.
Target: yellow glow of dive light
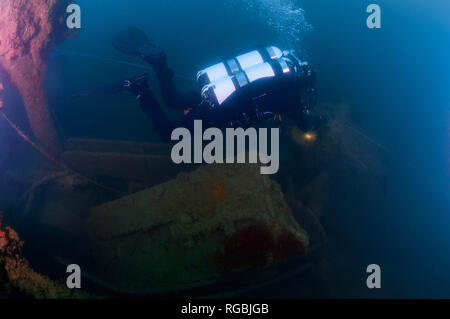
<point>305,139</point>
<point>310,136</point>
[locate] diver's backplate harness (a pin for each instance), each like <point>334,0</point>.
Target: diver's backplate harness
<point>223,80</point>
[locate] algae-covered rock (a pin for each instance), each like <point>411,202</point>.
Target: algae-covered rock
<point>16,272</point>
<point>200,225</point>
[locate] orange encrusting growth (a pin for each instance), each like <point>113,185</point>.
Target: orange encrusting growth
<point>218,191</point>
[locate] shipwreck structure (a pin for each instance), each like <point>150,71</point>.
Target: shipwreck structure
<point>27,30</point>
<point>193,229</point>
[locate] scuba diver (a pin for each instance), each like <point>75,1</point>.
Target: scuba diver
<point>260,85</point>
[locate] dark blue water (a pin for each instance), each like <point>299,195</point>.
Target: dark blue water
<point>397,81</point>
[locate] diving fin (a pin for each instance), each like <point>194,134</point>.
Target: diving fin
<point>129,84</point>
<point>132,41</point>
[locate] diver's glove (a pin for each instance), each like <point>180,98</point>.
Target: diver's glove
<point>137,86</point>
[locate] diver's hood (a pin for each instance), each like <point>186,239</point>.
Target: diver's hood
<point>220,81</point>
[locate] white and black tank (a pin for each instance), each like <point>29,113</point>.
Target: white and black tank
<point>222,80</point>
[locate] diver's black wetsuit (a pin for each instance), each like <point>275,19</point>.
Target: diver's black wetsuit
<point>261,100</point>
<point>174,99</point>
<point>236,112</point>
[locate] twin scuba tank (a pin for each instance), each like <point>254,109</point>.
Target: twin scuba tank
<point>220,81</point>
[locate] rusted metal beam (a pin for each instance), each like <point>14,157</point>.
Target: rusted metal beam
<point>148,169</point>
<point>124,147</point>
